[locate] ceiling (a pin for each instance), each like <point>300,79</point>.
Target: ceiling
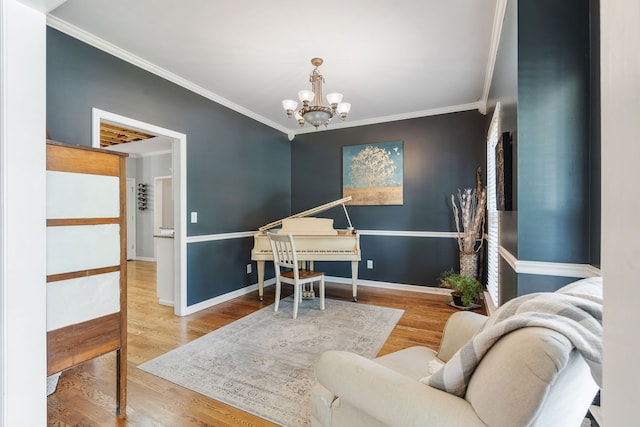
<point>391,59</point>
<point>153,146</point>
<point>115,135</point>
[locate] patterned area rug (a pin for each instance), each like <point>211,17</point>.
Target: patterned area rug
<point>264,362</point>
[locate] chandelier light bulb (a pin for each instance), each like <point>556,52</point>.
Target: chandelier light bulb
<point>343,109</point>
<point>334,99</point>
<point>289,106</point>
<point>306,96</point>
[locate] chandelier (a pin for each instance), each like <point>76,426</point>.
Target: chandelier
<point>313,111</point>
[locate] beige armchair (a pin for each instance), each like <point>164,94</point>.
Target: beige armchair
<point>532,376</point>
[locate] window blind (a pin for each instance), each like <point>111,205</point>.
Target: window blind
<point>493,230</point>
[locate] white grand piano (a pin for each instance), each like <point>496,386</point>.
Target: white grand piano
<point>315,239</point>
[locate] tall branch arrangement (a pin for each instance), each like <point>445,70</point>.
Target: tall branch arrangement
<point>469,218</point>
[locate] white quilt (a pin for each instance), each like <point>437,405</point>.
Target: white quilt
<point>574,311</point>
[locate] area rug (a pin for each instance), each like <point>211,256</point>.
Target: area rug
<point>264,363</point>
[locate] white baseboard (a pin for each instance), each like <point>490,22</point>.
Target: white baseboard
<point>333,279</point>
<point>142,258</point>
<point>388,285</point>
<point>225,297</point>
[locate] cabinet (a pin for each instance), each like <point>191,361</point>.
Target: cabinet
<point>86,259</point>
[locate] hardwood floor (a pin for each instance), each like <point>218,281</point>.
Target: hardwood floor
<point>86,394</point>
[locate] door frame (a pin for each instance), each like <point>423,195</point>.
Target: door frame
<point>179,163</point>
<point>131,218</point>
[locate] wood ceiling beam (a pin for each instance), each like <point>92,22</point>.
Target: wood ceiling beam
<point>112,135</point>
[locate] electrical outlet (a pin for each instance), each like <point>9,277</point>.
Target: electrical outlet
<point>248,268</point>
<point>194,217</point>
<point>370,264</point>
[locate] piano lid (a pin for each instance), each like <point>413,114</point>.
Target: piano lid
<point>310,212</point>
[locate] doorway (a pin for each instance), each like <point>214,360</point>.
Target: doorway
<point>179,160</point>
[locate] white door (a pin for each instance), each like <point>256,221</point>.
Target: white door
<point>131,218</point>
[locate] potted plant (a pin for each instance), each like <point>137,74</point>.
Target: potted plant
<point>469,219</point>
<point>465,289</point>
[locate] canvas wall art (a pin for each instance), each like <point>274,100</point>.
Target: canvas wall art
<point>372,174</point>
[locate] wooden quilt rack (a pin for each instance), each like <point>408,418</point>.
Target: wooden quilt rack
<point>86,259</point>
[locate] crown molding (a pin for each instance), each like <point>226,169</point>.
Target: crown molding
<point>394,118</point>
<point>498,19</point>
<point>98,43</point>
<point>105,46</point>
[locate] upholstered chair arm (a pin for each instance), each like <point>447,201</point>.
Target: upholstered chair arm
<point>459,329</point>
<point>387,396</point>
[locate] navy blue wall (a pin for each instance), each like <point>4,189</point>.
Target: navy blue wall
<point>557,139</point>
<point>229,182</point>
<point>441,154</point>
<point>553,131</point>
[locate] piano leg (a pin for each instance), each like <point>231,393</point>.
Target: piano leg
<point>261,279</point>
<point>354,279</point>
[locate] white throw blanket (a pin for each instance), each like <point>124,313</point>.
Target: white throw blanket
<point>574,311</point>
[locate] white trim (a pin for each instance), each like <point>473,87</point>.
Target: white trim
<point>424,289</point>
<point>120,53</point>
<point>508,257</point>
<point>519,266</point>
<point>4,222</point>
<point>400,233</point>
<point>166,302</point>
<point>144,258</point>
<point>221,236</point>
<point>180,183</point>
<point>131,225</point>
<point>384,119</point>
<point>543,268</point>
<point>488,303</point>
<point>555,269</point>
<point>388,233</point>
<point>23,305</point>
<point>498,19</point>
<point>225,297</point>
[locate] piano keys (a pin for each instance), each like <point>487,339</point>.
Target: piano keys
<point>315,239</point>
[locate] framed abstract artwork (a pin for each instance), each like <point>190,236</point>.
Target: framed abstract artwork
<point>504,198</point>
<point>372,174</point>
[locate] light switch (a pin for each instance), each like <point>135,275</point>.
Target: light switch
<point>194,217</point>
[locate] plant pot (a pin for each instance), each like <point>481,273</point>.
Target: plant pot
<point>469,264</point>
<point>457,299</point>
